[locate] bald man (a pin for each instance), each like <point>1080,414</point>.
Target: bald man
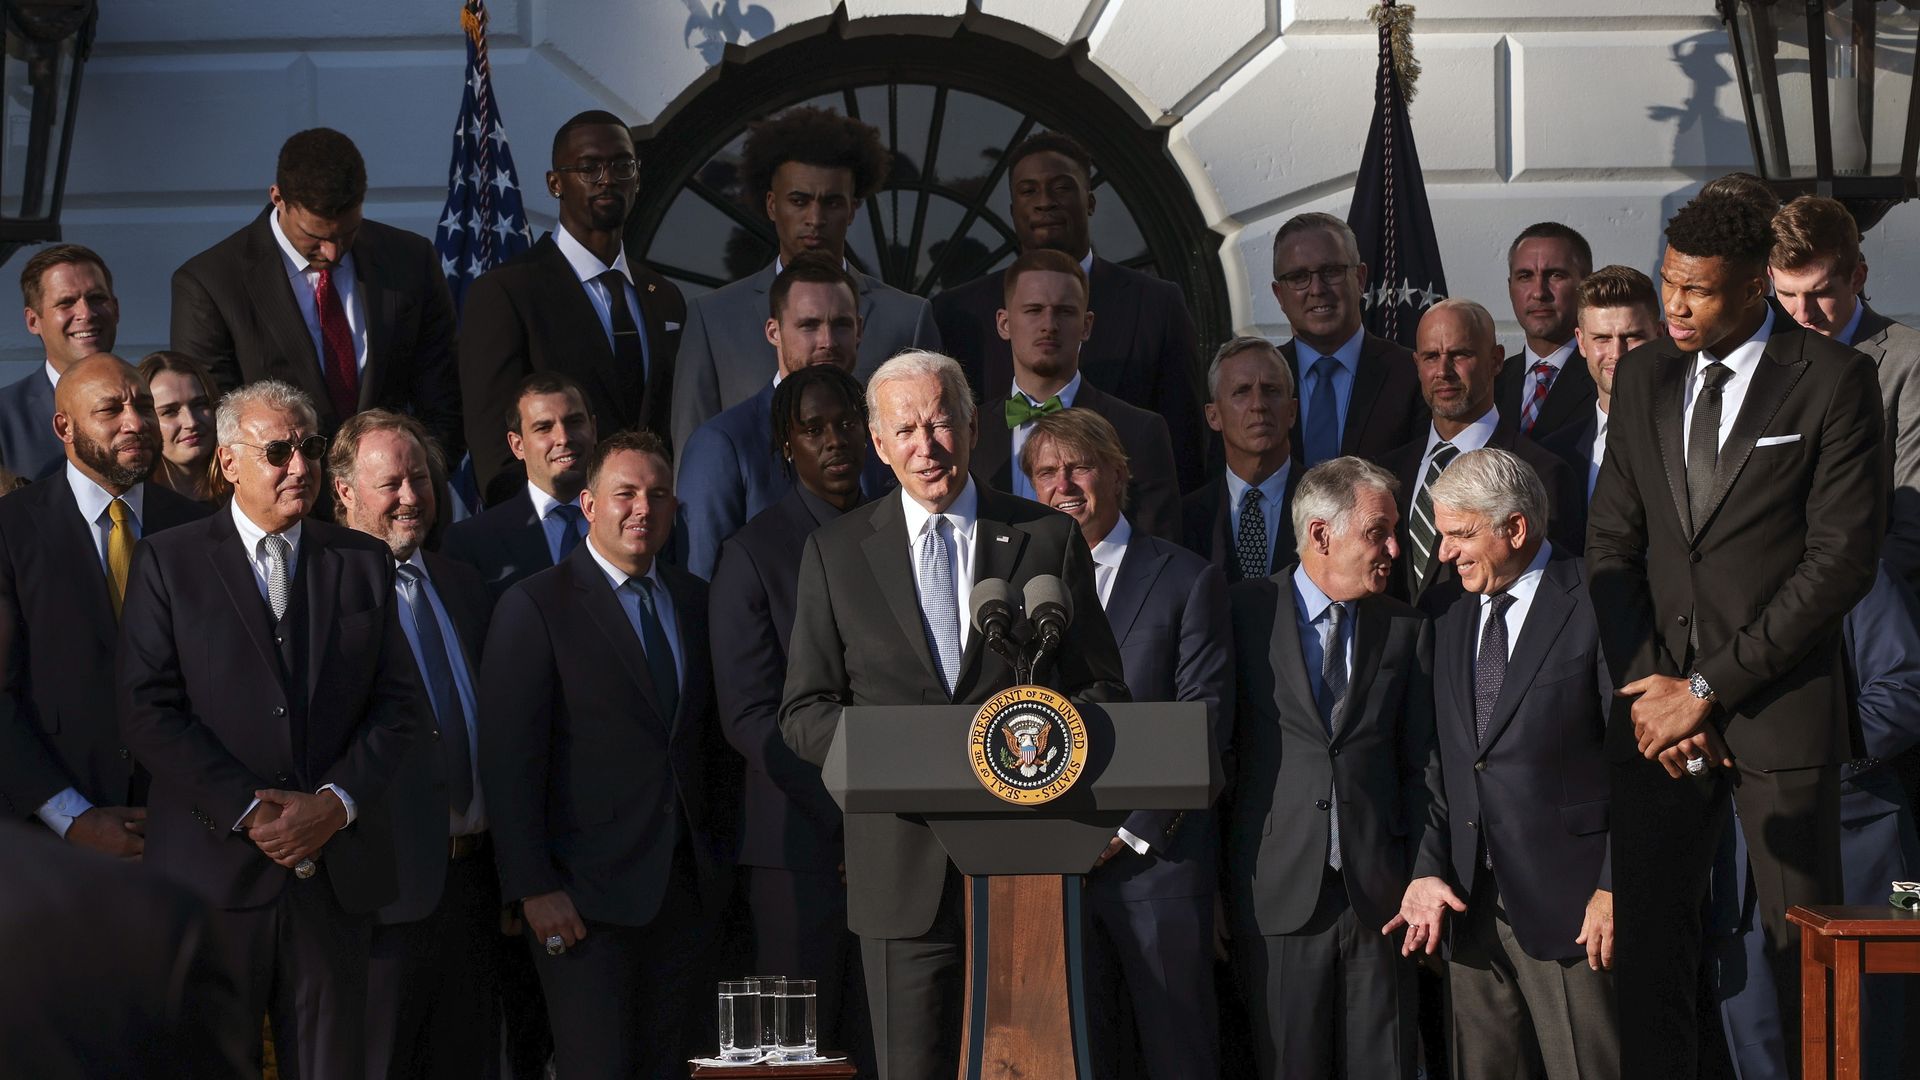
<point>65,545</point>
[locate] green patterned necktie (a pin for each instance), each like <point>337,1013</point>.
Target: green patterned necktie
<point>1021,411</point>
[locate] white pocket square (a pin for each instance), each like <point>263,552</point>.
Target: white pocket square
<point>672,326</point>
<point>1775,440</point>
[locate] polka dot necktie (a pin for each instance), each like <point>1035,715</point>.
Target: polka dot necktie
<point>1250,547</point>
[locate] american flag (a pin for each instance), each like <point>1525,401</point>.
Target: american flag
<point>484,222</point>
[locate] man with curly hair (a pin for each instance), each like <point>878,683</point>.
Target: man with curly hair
<point>1737,519</point>
<point>813,169</point>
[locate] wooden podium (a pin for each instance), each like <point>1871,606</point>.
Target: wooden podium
<point>1025,1012</point>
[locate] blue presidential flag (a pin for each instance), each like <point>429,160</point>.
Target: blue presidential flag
<point>1389,215</point>
<point>484,222</point>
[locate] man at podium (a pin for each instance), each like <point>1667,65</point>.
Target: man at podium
<point>881,620</point>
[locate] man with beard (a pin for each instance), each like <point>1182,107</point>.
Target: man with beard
<point>70,307</point>
<point>431,1006</point>
<point>551,432</point>
<point>65,548</point>
<point>791,849</point>
<point>578,302</point>
<point>1045,319</point>
<point>729,473</point>
<point>264,680</point>
<point>1141,349</point>
<point>1457,359</point>
<point>814,169</point>
<point>1545,385</point>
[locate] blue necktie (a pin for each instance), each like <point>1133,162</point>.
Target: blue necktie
<point>939,608</point>
<point>442,692</point>
<point>562,525</point>
<point>653,639</point>
<point>1323,414</point>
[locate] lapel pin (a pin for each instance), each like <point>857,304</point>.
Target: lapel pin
<point>649,286</point>
<point>1000,538</point>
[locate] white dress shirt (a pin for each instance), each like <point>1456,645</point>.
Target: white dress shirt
<point>1733,393</point>
<point>1472,437</point>
<point>1558,358</point>
<point>588,268</point>
<point>250,537</point>
<point>53,374</point>
<point>630,603</point>
<point>1599,452</point>
<point>1522,590</point>
<point>1107,556</point>
<point>303,276</point>
<point>963,520</point>
<point>1022,483</point>
<point>475,819</point>
<point>1273,496</point>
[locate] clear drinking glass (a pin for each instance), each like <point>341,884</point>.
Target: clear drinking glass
<point>740,1020</point>
<point>794,1009</point>
<point>768,1037</point>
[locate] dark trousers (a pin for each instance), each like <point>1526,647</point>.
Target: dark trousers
<point>1665,833</point>
<point>1153,958</point>
<point>1334,999</point>
<point>1514,1015</point>
<point>635,1001</point>
<point>914,991</point>
<point>302,960</point>
<point>800,930</point>
<point>432,986</point>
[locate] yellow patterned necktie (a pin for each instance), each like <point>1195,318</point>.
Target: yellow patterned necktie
<point>119,552</point>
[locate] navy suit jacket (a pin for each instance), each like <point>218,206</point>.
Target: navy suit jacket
<point>419,793</point>
<point>59,725</point>
<point>505,543</point>
<point>1877,841</point>
<point>1153,493</point>
<point>1168,611</point>
<point>204,704</point>
<point>789,820</point>
<point>589,786</point>
<point>1569,400</point>
<point>1535,791</point>
<point>28,446</point>
<point>1141,350</point>
<point>1207,529</point>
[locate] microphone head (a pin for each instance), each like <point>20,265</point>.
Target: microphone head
<point>1045,590</point>
<point>989,598</point>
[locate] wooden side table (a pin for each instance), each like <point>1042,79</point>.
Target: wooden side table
<point>1841,944</point>
<point>840,1070</point>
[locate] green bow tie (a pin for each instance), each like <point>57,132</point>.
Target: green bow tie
<point>1021,411</point>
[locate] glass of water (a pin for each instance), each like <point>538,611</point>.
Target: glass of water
<point>740,1020</point>
<point>795,1018</point>
<point>769,1038</point>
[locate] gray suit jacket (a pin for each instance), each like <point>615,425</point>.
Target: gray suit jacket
<point>725,358</point>
<point>1895,351</point>
<point>27,443</point>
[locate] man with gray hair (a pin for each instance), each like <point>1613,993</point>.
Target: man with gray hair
<point>1520,694</point>
<point>1358,393</point>
<point>264,679</point>
<point>878,621</point>
<point>1337,792</point>
<point>1458,360</point>
<point>1238,521</point>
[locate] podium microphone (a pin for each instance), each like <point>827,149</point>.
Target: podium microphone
<point>1050,609</point>
<point>995,609</point>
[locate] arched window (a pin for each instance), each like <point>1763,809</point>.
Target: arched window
<point>949,109</point>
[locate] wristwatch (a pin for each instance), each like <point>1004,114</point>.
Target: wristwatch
<point>1697,686</point>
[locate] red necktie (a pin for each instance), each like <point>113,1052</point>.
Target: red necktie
<point>1543,373</point>
<point>343,374</point>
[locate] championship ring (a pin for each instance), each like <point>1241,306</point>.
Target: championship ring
<point>1027,745</point>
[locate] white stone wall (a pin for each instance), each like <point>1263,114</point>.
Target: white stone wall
<point>1606,119</point>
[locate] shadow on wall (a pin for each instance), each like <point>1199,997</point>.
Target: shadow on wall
<point>1706,142</point>
<point>723,23</point>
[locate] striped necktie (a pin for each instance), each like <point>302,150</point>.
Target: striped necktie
<point>1421,529</point>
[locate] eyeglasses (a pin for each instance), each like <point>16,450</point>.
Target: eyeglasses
<point>1300,280</point>
<point>593,172</point>
<point>280,451</point>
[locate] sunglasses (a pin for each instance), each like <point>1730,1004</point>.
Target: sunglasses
<point>280,451</point>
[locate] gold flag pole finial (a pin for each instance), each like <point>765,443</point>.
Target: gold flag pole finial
<point>473,19</point>
<point>1396,26</point>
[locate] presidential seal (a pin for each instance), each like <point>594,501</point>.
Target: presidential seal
<point>1028,745</point>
